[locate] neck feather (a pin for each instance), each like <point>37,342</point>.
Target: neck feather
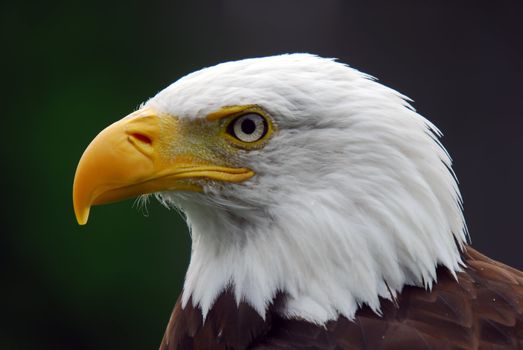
<point>329,253</point>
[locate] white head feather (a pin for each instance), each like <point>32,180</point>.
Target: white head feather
<point>353,196</point>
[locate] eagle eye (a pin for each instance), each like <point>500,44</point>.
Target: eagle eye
<point>249,127</point>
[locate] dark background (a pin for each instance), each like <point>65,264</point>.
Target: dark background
<point>70,69</point>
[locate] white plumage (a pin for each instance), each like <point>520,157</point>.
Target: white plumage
<point>353,196</point>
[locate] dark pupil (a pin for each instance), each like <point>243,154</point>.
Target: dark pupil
<point>248,126</point>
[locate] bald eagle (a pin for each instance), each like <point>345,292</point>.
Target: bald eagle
<point>323,212</point>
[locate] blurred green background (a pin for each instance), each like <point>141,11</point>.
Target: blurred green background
<point>71,68</point>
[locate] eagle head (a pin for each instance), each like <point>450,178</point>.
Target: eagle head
<point>297,175</point>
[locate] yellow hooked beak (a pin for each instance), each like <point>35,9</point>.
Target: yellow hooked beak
<point>138,155</point>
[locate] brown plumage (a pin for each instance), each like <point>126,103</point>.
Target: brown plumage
<point>483,310</point>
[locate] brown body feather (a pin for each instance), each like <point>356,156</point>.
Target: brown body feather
<point>483,310</point>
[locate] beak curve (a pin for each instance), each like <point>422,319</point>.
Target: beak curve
<point>134,156</point>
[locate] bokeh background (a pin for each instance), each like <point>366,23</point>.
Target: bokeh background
<point>71,68</point>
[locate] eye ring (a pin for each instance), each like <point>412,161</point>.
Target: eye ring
<point>248,128</point>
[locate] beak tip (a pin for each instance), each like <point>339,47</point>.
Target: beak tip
<point>82,216</point>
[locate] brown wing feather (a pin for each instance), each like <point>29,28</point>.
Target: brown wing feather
<point>483,310</point>
<point>227,325</point>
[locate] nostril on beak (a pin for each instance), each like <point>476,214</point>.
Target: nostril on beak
<point>142,138</point>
